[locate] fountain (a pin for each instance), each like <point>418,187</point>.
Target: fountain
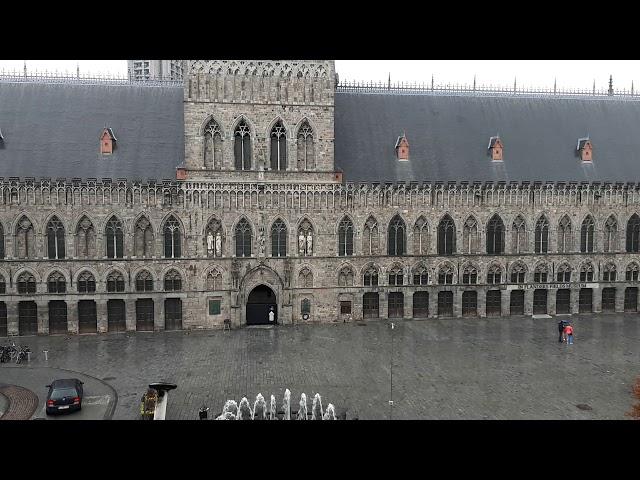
<point>286,405</point>
<point>226,416</point>
<point>230,406</point>
<point>273,415</point>
<point>259,408</point>
<point>244,410</point>
<point>330,414</point>
<point>302,412</point>
<point>316,410</point>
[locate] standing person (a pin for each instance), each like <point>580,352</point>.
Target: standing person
<point>272,315</point>
<point>568,330</point>
<point>561,326</point>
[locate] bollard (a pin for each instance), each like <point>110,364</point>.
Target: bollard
<point>46,355</point>
<point>28,356</point>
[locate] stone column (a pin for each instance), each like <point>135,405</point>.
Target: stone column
<point>130,307</point>
<point>158,314</point>
<point>383,309</point>
<point>482,302</point>
<point>551,298</point>
<point>72,316</point>
<point>457,302</point>
<point>12,318</point>
<point>597,300</point>
<point>575,295</point>
<point>619,298</point>
<point>101,312</point>
<point>528,302</point>
<point>505,303</point>
<point>408,305</point>
<point>433,303</point>
<point>43,317</point>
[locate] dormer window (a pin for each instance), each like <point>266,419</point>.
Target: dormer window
<point>107,141</point>
<point>402,148</point>
<point>585,149</point>
<point>495,149</point>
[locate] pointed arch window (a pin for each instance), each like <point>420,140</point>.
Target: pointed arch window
<point>445,275</point>
<point>55,239</point>
<point>396,275</point>
<point>633,234</point>
<point>143,238</point>
<point>305,278</point>
<point>609,273</point>
<point>397,238</point>
<point>1,241</point>
<point>420,237</point>
<point>85,239</point>
<point>494,275</point>
<point>519,235</point>
<point>370,277</point>
<point>610,235</point>
<point>144,282</point>
<point>56,283</point>
<point>26,283</point>
<point>470,235</point>
<point>243,234</point>
<point>242,146</point>
<point>306,148</point>
<point>115,238</point>
<point>370,237</point>
<point>564,235</point>
<point>564,273</point>
<point>172,281</point>
<point>345,277</point>
<point>446,236</point>
<point>345,237</point>
<point>495,236</point>
<point>541,273</point>
<point>586,235</point>
<point>172,238</point>
<point>115,282</point>
<point>420,275</point>
<point>542,235</point>
<point>279,239</point>
<point>469,275</point>
<point>586,272</point>
<point>214,280</point>
<point>86,282</point>
<point>25,239</point>
<point>518,273</point>
<point>278,138</point>
<point>631,274</point>
<point>212,145</point>
<point>305,239</point>
<point>213,238</point>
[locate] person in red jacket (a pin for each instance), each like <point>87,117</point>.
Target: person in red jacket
<point>568,331</point>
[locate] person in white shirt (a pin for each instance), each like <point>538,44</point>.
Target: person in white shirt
<point>272,315</point>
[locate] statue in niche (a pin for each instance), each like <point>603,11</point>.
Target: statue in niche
<point>210,244</point>
<point>309,243</point>
<point>235,272</point>
<point>218,244</point>
<point>301,242</point>
<point>261,240</point>
<point>287,273</point>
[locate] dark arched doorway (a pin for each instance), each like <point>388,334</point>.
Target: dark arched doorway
<point>261,301</point>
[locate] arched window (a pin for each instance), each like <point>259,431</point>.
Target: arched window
<point>114,238</point>
<point>345,237</point>
<point>469,275</point>
<point>143,238</point>
<point>172,243</point>
<point>86,282</point>
<point>213,238</point>
<point>278,137</point>
<point>564,235</point>
<point>26,283</point>
<point>1,241</point>
<point>446,236</point>
<point>633,234</point>
<point>305,278</point>
<point>305,306</point>
<point>172,281</point>
<point>25,239</point>
<point>3,285</point>
<point>85,239</point>
<point>55,238</point>
<point>397,241</point>
<point>495,236</point>
<point>214,280</point>
<point>144,282</point>
<point>541,273</point>
<point>56,283</point>
<point>586,235</point>
<point>306,150</point>
<point>519,235</point>
<point>610,235</point>
<point>470,235</point>
<point>586,272</point>
<point>631,275</point>
<point>494,274</point>
<point>243,236</point>
<point>420,237</point>
<point>542,235</point>
<point>278,239</point>
<point>370,237</point>
<point>242,146</point>
<point>212,145</point>
<point>445,274</point>
<point>396,275</point>
<point>564,273</point>
<point>420,275</point>
<point>115,282</point>
<point>305,239</point>
<point>345,277</point>
<point>609,273</point>
<point>370,277</point>
<point>518,273</point>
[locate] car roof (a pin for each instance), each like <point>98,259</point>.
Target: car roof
<point>65,382</point>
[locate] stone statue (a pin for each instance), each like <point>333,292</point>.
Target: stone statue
<point>309,243</point>
<point>209,243</point>
<point>261,241</point>
<point>301,243</point>
<point>218,244</point>
<point>235,272</point>
<point>287,272</point>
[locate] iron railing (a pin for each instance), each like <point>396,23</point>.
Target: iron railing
<point>92,79</point>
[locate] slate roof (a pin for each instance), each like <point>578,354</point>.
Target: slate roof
<point>52,130</point>
<point>449,137</point>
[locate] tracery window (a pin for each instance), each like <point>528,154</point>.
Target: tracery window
<point>26,283</point>
<point>494,274</point>
<point>144,282</point>
<point>541,273</point>
<point>243,234</point>
<point>370,277</point>
<point>420,237</point>
<point>345,277</point>
<point>115,282</point>
<point>420,275</point>
<point>85,239</point>
<point>305,278</point>
<point>470,235</point>
<point>55,239</point>
<point>305,239</point>
<point>396,275</point>
<point>214,280</point>
<point>345,237</point>
<point>86,282</point>
<point>631,274</point>
<point>564,273</point>
<point>610,243</point>
<point>306,149</point>
<point>564,235</point>
<point>445,275</point>
<point>542,235</point>
<point>172,281</point>
<point>115,238</point>
<point>518,273</point>
<point>278,147</point>
<point>212,145</point>
<point>446,236</point>
<point>495,236</point>
<point>278,239</point>
<point>609,273</point>
<point>56,283</point>
<point>586,235</point>
<point>370,237</point>
<point>242,146</point>
<point>586,272</point>
<point>25,239</point>
<point>469,275</point>
<point>519,235</point>
<point>172,238</point>
<point>213,238</point>
<point>396,243</point>
<point>633,234</point>
<point>143,238</point>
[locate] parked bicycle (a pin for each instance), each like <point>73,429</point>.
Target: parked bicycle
<point>22,353</point>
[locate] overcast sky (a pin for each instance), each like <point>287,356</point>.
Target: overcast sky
<point>535,73</point>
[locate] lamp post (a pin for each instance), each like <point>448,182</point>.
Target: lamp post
<point>391,371</point>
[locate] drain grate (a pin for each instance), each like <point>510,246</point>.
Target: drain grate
<point>584,406</point>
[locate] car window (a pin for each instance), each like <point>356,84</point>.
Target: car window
<point>58,393</point>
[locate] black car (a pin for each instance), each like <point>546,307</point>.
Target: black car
<point>64,395</point>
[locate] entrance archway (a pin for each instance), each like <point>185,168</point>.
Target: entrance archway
<point>260,302</point>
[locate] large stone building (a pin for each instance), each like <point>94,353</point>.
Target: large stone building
<point>155,69</point>
<point>263,185</point>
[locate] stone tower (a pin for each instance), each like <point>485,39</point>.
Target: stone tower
<point>259,120</point>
